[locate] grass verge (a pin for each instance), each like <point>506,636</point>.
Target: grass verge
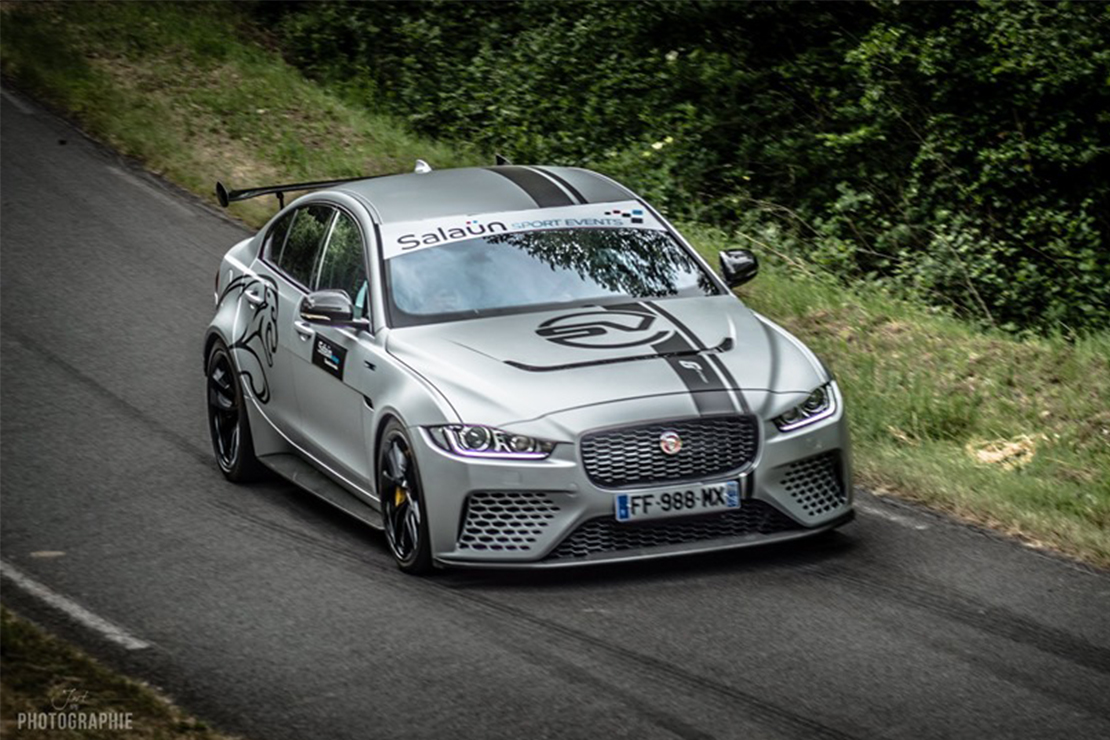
<point>196,95</point>
<point>47,684</point>
<point>1012,434</point>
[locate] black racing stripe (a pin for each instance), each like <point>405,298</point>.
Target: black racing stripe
<point>566,185</point>
<point>633,307</point>
<point>716,362</point>
<point>705,386</point>
<point>541,189</point>
<point>706,389</point>
<point>694,338</point>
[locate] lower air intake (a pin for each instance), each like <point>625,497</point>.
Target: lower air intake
<point>815,484</point>
<point>505,520</point>
<point>605,535</point>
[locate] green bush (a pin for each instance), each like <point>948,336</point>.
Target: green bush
<point>958,152</point>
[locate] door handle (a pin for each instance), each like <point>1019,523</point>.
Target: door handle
<point>304,329</point>
<point>253,298</point>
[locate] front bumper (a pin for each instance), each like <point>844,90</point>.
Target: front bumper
<point>504,513</point>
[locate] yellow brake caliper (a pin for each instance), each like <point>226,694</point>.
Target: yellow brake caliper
<point>399,496</point>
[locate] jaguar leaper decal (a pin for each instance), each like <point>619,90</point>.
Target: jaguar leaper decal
<point>257,338</point>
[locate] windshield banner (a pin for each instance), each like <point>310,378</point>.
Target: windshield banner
<point>412,236</point>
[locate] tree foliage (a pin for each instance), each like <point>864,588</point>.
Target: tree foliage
<point>955,151</point>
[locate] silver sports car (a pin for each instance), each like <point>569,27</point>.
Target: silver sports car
<point>516,366</point>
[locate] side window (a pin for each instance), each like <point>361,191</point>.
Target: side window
<point>275,239</point>
<point>302,247</point>
<point>343,267</point>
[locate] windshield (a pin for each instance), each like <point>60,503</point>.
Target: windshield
<point>532,270</point>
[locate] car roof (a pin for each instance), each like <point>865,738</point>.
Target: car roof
<point>424,195</point>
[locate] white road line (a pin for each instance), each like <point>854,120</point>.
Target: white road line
<point>19,104</point>
<point>150,189</point>
<point>891,517</point>
<point>109,631</point>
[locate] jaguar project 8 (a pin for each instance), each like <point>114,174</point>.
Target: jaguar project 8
<point>514,366</point>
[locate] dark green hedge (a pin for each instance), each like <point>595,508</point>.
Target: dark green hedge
<point>956,151</point>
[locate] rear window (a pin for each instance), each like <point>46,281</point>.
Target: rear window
<point>302,246</point>
<point>275,237</point>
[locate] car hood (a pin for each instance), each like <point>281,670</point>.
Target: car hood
<point>525,366</point>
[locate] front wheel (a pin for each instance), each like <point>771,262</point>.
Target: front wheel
<point>404,514</point>
<point>228,422</point>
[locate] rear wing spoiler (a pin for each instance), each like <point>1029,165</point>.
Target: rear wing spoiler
<point>226,197</point>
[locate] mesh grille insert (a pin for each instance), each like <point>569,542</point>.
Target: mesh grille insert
<point>815,484</point>
<point>505,520</point>
<point>632,456</point>
<point>605,535</point>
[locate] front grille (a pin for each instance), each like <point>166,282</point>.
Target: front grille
<point>606,535</point>
<point>631,456</point>
<point>505,520</point>
<point>815,484</point>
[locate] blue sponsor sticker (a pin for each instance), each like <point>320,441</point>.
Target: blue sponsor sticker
<point>732,494</point>
<point>622,508</point>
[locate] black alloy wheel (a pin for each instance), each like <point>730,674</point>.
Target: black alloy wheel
<point>404,515</point>
<point>227,419</point>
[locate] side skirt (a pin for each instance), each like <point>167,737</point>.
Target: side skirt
<point>301,473</point>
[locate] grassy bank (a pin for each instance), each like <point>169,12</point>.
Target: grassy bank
<point>198,96</point>
<point>1007,433</point>
<point>44,677</point>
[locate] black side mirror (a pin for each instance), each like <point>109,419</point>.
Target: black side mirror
<point>332,308</point>
<point>738,266</point>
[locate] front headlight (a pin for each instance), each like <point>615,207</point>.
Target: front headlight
<point>482,441</point>
<point>821,404</point>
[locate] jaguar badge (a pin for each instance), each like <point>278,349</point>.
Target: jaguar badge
<point>670,443</point>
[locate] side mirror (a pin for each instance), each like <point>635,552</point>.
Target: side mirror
<point>331,308</point>
<point>738,266</point>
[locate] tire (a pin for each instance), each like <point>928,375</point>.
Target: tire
<point>404,515</point>
<point>228,421</point>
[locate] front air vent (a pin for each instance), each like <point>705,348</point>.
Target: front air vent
<point>505,520</point>
<point>606,535</point>
<point>815,484</point>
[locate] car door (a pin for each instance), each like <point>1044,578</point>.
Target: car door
<point>336,370</point>
<point>287,263</point>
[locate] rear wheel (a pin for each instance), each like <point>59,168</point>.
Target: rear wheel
<point>404,514</point>
<point>228,422</point>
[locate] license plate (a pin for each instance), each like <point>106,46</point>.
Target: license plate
<point>700,499</point>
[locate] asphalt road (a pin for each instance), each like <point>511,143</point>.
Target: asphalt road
<point>273,616</point>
